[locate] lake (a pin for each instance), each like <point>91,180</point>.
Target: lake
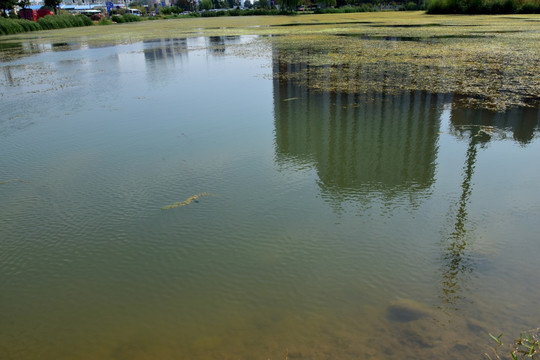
<point>304,224</point>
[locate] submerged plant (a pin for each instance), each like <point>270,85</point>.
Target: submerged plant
<point>188,201</point>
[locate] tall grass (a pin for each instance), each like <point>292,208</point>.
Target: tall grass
<point>120,19</point>
<point>64,21</point>
<point>483,7</point>
<point>15,26</point>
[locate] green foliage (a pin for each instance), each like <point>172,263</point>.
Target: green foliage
<point>411,6</point>
<point>496,338</point>
<point>239,12</point>
<point>483,7</point>
<point>28,25</point>
<point>63,21</point>
<point>53,4</point>
<point>125,18</point>
<point>118,19</point>
<point>105,22</point>
<point>8,27</point>
<point>346,9</point>
<point>131,18</point>
<point>118,11</point>
<point>327,3</point>
<point>14,26</point>
<point>530,8</point>
<point>289,4</point>
<point>24,3</point>
<point>206,5</point>
<point>7,5</point>
<point>263,4</point>
<point>184,4</point>
<point>527,346</point>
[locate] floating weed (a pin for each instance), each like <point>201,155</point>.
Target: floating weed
<point>10,181</point>
<point>188,201</point>
<point>496,338</point>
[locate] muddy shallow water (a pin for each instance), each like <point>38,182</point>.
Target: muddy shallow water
<point>308,225</point>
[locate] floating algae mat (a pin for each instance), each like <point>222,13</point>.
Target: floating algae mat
<point>188,201</point>
<point>492,69</point>
<point>490,62</point>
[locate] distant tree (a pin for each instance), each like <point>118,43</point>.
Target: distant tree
<point>23,3</point>
<point>206,5</point>
<point>327,3</point>
<point>262,4</point>
<point>289,4</point>
<point>53,4</point>
<point>183,4</point>
<point>7,5</point>
<point>247,4</point>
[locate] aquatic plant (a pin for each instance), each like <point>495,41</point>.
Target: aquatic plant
<point>188,201</point>
<point>527,346</point>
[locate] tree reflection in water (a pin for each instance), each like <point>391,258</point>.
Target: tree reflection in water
<point>478,127</point>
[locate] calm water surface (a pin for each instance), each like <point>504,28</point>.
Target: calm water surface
<point>338,226</point>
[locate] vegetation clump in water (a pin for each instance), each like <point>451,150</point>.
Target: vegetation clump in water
<point>188,201</point>
<point>10,181</point>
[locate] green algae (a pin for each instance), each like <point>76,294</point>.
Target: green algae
<point>490,62</point>
<point>495,68</point>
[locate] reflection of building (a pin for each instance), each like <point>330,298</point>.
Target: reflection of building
<point>218,44</point>
<point>358,143</point>
<point>165,49</point>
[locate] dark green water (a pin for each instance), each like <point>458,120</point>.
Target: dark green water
<point>339,226</point>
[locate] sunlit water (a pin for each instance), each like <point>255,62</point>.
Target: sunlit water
<point>336,227</point>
